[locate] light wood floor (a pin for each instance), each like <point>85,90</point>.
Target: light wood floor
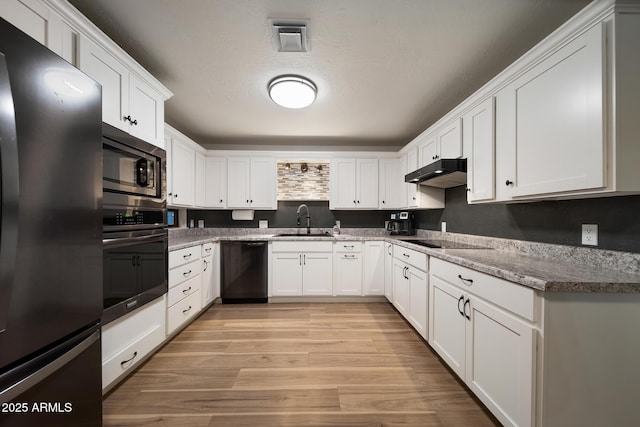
<point>337,364</point>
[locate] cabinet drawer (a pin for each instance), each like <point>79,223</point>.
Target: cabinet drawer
<point>182,311</point>
<point>411,257</point>
<point>183,256</point>
<point>297,246</point>
<point>137,333</point>
<point>207,249</point>
<point>184,272</point>
<point>183,290</point>
<point>511,296</point>
<point>348,246</point>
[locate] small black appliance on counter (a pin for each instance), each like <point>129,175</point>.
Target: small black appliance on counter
<point>401,224</point>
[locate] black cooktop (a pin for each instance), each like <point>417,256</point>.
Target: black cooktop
<point>442,244</point>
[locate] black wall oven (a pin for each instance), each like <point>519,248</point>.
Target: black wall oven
<point>135,239</point>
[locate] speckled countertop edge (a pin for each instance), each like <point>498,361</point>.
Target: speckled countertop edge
<point>541,274</point>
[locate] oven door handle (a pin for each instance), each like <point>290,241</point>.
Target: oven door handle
<point>122,241</point>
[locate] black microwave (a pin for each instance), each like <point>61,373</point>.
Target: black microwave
<point>131,166</point>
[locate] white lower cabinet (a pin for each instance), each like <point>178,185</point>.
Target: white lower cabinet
<point>388,271</point>
<point>489,344</point>
<point>348,268</point>
<point>374,268</point>
<point>301,268</point>
<point>410,287</point>
<point>129,339</point>
<point>210,273</point>
<point>185,281</point>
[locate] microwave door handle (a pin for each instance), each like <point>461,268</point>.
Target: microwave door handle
<point>9,192</point>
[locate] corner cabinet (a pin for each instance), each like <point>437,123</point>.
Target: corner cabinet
<point>410,287</point>
<point>469,312</point>
<point>252,183</point>
<point>353,184</point>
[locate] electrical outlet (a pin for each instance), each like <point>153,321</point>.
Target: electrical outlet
<point>590,234</point>
<point>443,226</point>
<point>263,223</point>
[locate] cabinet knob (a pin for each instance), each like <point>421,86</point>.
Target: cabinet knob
<point>383,202</point>
<point>175,195</point>
<point>358,201</point>
<point>220,200</point>
<point>468,190</point>
<point>170,194</point>
<point>508,183</point>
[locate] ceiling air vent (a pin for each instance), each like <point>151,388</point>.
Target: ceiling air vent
<point>289,37</point>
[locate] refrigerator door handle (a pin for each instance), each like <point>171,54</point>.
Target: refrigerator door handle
<point>9,192</point>
<point>33,379</point>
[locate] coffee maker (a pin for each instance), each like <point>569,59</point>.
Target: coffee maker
<point>401,224</point>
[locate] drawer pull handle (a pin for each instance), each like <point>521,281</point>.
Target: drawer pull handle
<point>206,265</point>
<point>348,246</point>
<point>208,250</point>
<point>187,310</point>
<point>186,291</point>
<point>460,310</point>
<point>124,362</point>
<point>187,256</point>
<point>406,255</point>
<point>186,273</point>
<point>469,281</point>
<point>349,256</point>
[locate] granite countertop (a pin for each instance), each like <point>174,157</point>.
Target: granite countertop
<point>543,274</point>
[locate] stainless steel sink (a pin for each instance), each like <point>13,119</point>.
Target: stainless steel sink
<point>303,235</point>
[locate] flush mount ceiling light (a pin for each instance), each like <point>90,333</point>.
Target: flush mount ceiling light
<point>292,91</point>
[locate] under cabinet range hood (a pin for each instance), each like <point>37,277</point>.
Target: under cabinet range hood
<point>443,173</point>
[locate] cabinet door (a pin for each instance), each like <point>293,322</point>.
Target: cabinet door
<point>418,297</point>
<point>30,16</point>
<point>559,121</point>
<point>199,180</point>
<point>367,184</point>
<point>146,108</point>
<point>287,274</point>
<point>215,182</point>
<point>348,274</point>
<point>428,150</point>
<point>263,184</point>
<point>238,182</point>
<point>403,190</point>
<point>389,184</point>
<point>388,271</point>
<point>413,193</point>
<point>447,324</point>
<point>114,78</point>
<point>401,288</point>
<point>182,173</point>
<point>317,273</point>
<point>450,140</point>
<point>500,375</point>
<point>479,138</point>
<point>342,183</point>
<point>207,292</point>
<point>374,273</point>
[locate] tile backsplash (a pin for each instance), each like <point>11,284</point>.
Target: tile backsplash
<point>303,180</point>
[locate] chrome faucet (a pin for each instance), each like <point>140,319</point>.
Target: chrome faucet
<point>308,217</point>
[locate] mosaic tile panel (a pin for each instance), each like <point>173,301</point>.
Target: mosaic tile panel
<point>294,184</point>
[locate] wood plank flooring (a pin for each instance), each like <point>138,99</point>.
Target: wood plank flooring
<point>336,364</point>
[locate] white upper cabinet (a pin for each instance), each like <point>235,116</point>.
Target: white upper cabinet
<point>389,184</point>
<point>215,182</point>
<point>128,103</point>
<point>32,17</point>
<point>354,184</point>
<point>553,126</point>
<point>252,183</point>
<point>182,191</point>
<point>445,143</point>
<point>479,140</point>
<point>200,180</point>
<point>415,196</point>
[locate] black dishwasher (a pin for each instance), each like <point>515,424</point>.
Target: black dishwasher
<point>244,272</point>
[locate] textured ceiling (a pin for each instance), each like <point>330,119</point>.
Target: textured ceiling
<point>385,69</point>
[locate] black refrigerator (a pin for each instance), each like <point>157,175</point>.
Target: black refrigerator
<point>50,238</point>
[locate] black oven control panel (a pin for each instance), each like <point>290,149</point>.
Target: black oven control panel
<point>133,217</point>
